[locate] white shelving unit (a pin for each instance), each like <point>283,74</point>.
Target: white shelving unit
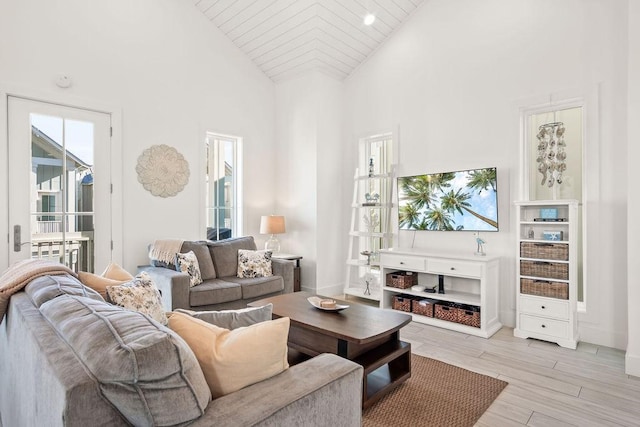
<point>370,231</point>
<point>547,272</point>
<point>470,280</point>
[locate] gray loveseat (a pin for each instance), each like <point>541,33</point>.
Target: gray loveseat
<point>221,288</point>
<point>69,358</point>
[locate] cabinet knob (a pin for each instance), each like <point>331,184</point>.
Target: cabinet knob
<point>453,268</point>
<point>542,307</point>
<point>544,326</point>
<point>401,262</point>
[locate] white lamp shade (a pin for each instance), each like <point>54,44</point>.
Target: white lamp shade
<point>272,224</point>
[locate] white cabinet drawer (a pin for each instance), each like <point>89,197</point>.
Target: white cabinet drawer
<point>540,325</point>
<point>544,307</point>
<point>403,262</point>
<point>455,268</point>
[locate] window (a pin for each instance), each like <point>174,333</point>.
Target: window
<point>553,164</point>
<point>376,159</point>
<point>48,205</point>
<point>377,149</point>
<point>223,186</point>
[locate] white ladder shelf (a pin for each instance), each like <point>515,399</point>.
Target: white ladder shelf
<point>370,231</point>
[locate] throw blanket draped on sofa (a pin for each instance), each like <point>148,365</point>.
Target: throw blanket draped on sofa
<point>165,250</point>
<point>21,273</point>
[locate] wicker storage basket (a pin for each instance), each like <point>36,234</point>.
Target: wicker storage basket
<point>552,270</point>
<point>544,288</point>
<point>446,311</point>
<point>402,302</point>
<point>402,279</point>
<point>423,306</point>
<point>555,251</point>
<point>469,315</point>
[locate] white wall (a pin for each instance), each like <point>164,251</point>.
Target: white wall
<point>331,242</point>
<point>172,76</point>
<point>633,212</point>
<point>453,80</point>
<point>308,134</point>
<point>296,133</point>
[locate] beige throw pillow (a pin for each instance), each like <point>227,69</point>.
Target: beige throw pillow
<point>235,359</point>
<point>98,283</point>
<point>115,272</point>
<point>113,275</point>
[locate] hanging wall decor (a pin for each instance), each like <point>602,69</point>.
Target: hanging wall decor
<point>162,170</point>
<point>551,154</point>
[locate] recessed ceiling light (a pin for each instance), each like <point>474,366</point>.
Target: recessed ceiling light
<point>368,20</point>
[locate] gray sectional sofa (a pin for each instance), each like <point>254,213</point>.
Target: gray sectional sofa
<point>67,358</point>
<point>221,288</point>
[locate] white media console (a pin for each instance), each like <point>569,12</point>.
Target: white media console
<point>468,280</point>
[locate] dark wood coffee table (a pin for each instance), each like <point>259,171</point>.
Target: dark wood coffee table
<point>367,335</point>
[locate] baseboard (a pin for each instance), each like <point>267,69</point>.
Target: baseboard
<point>330,291</point>
<point>632,364</point>
<point>508,318</point>
<point>594,335</point>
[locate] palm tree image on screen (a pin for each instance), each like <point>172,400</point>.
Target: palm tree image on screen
<point>452,201</point>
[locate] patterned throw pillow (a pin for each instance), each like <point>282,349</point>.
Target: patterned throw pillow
<point>188,263</point>
<point>254,263</point>
<point>140,295</point>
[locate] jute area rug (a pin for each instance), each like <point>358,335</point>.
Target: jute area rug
<point>437,394</point>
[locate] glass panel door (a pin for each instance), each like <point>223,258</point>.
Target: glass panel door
<point>52,194</point>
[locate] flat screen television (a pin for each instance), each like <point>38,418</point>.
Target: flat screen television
<point>451,201</point>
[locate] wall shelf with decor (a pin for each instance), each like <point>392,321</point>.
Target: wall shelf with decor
<point>469,303</point>
<point>547,271</point>
<point>370,231</point>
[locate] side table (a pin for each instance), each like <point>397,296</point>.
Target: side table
<point>296,268</point>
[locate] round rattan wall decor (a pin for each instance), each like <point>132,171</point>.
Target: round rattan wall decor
<point>162,170</point>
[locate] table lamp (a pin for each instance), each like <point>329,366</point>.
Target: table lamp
<point>272,224</point>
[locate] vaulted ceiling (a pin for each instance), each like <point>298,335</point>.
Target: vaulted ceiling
<point>288,37</point>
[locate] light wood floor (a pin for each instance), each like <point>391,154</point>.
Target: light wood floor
<point>548,385</point>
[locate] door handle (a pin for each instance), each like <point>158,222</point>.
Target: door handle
<point>17,238</point>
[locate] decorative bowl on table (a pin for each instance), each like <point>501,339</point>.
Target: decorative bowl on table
<point>326,304</point>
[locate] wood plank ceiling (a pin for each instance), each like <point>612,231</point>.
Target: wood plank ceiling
<point>288,37</point>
